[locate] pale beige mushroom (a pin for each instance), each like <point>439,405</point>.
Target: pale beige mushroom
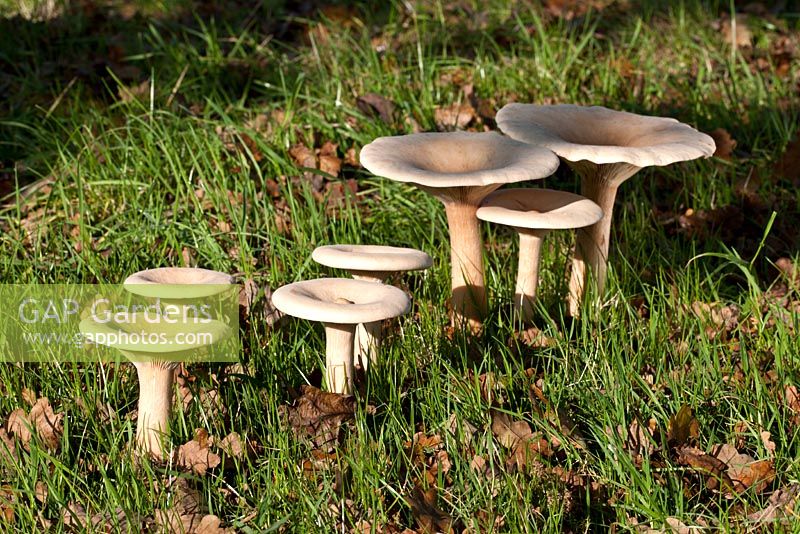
<point>340,304</point>
<point>460,169</point>
<point>605,147</point>
<point>375,263</point>
<point>533,213</point>
<point>156,364</point>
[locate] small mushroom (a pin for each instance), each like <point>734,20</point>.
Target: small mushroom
<point>460,169</point>
<point>340,304</point>
<point>156,362</point>
<point>605,148</point>
<point>533,213</point>
<point>375,263</point>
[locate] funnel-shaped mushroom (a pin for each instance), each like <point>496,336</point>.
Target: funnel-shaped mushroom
<point>605,147</point>
<point>460,169</point>
<point>533,213</point>
<point>155,347</point>
<point>340,304</point>
<point>375,263</point>
<point>155,364</point>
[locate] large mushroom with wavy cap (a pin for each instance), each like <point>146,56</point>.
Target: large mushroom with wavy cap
<point>460,169</point>
<point>604,147</point>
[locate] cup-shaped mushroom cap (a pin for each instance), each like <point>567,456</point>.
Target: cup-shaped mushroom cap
<point>457,159</point>
<point>161,282</point>
<point>341,300</point>
<point>374,258</point>
<point>603,135</point>
<point>539,209</point>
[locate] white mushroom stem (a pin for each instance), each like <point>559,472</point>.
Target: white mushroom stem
<point>600,184</point>
<point>530,245</point>
<point>368,336</point>
<point>339,357</point>
<point>156,380</point>
<point>466,252</point>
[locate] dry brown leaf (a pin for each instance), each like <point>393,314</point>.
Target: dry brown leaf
<point>454,117</point>
<point>735,32</point>
<point>639,439</point>
<point>196,454</point>
<point>8,450</point>
<point>351,158</point>
<point>129,94</point>
<point>42,420</point>
<point>303,156</point>
<point>429,517</point>
<point>781,508</point>
<point>318,416</point>
<point>375,105</point>
<point>725,143</point>
<point>769,445</point>
<point>711,467</point>
<point>744,471</point>
<point>454,424</point>
<point>526,446</point>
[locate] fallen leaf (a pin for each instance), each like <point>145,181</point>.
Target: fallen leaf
<point>351,158</point>
<point>42,420</point>
<point>303,156</point>
<point>429,517</point>
<point>724,142</point>
<point>769,445</point>
<point>196,454</point>
<point>735,32</point>
<point>454,117</point>
<point>375,105</point>
<point>744,471</point>
<point>780,510</point>
<point>318,416</point>
<point>526,446</point>
<point>329,162</point>
<point>709,466</point>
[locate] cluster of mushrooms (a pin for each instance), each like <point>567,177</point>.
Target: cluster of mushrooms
<point>465,171</point>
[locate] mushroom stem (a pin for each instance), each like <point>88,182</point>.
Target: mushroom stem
<point>530,245</point>
<point>339,357</point>
<point>368,336</point>
<point>466,259</point>
<point>155,406</point>
<point>600,184</point>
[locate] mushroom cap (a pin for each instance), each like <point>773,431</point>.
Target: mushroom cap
<point>374,258</point>
<point>603,135</point>
<point>163,282</point>
<point>539,209</point>
<point>341,300</point>
<point>457,159</point>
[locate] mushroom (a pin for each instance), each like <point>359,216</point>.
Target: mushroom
<point>460,169</point>
<point>340,304</point>
<point>533,213</point>
<point>156,362</point>
<point>605,148</point>
<point>374,263</point>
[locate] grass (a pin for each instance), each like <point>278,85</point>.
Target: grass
<point>99,185</point>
